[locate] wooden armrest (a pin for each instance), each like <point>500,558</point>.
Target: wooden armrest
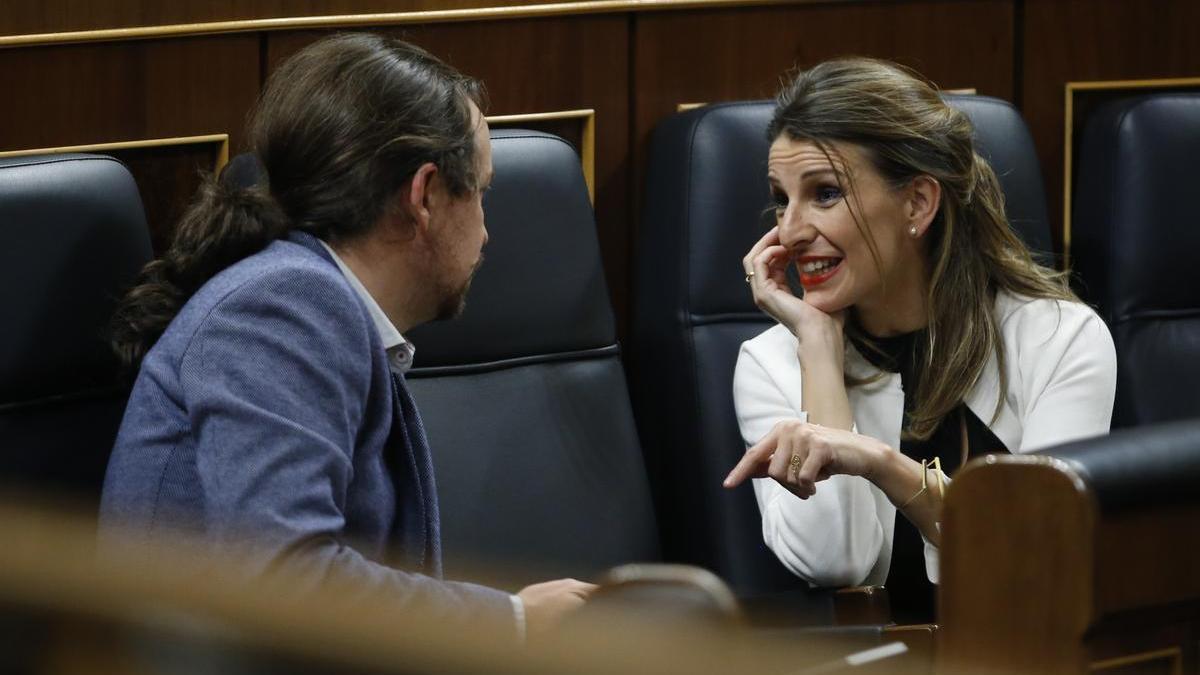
<point>921,639</point>
<point>859,605</point>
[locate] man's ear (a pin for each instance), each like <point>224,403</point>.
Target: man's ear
<point>924,199</point>
<point>417,199</point>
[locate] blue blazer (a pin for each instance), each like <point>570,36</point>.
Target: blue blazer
<point>266,417</point>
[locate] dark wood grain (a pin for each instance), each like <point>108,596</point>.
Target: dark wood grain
<point>735,54</point>
<point>167,178</point>
<point>22,17</point>
<point>77,94</point>
<point>105,93</point>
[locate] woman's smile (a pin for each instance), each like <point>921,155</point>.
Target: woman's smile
<point>816,270</point>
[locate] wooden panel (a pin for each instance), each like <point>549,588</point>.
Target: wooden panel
<point>1144,545</point>
<point>543,65</point>
<point>1083,40</point>
<point>38,16</point>
<point>732,54</point>
<point>166,177</point>
<point>87,94</point>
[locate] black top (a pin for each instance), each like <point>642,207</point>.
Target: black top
<point>909,592</point>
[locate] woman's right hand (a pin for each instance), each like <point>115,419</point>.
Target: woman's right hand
<point>766,270</point>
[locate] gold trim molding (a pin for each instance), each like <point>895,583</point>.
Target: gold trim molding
<point>1073,88</point>
<point>1174,655</point>
<point>587,151</point>
<point>222,141</point>
<point>380,19</point>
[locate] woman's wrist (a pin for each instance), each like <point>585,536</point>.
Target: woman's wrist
<point>817,356</point>
<point>881,463</point>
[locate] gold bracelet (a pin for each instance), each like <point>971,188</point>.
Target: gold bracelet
<point>936,465</point>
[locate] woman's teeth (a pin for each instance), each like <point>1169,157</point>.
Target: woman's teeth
<point>818,266</point>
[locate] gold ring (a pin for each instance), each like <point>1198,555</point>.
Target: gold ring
<point>794,465</point>
<point>749,276</point>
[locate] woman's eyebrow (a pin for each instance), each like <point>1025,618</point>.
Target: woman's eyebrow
<point>817,172</point>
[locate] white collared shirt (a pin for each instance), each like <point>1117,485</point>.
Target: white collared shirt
<point>400,354</point>
<point>400,351</point>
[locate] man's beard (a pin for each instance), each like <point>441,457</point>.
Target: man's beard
<point>453,302</point>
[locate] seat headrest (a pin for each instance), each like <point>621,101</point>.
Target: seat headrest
<point>1138,467</point>
<point>1003,139</point>
<point>721,175</point>
<point>1134,222</point>
<point>74,239</point>
<point>541,289</point>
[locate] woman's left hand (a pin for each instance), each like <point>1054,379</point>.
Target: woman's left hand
<point>798,455</point>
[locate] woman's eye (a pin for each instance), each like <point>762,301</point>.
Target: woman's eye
<point>828,195</point>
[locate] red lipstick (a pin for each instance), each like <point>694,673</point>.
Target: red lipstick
<point>816,270</point>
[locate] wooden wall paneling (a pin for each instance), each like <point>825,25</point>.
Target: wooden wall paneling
<point>1083,40</point>
<point>734,54</point>
<point>101,93</point>
<point>44,16</point>
<point>542,65</point>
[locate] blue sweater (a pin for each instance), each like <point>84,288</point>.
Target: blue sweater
<point>266,419</point>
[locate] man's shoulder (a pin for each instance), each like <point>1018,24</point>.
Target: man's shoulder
<point>282,267</point>
<point>278,285</point>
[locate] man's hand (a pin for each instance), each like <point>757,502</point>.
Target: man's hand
<point>548,603</point>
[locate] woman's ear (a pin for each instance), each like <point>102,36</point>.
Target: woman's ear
<point>924,199</point>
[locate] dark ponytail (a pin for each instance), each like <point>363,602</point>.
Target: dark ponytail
<point>221,226</point>
<point>339,128</point>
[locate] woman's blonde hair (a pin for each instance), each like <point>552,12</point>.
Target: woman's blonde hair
<point>906,130</point>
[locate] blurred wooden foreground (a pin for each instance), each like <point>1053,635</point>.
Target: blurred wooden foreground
<point>1041,573</point>
<point>65,610</point>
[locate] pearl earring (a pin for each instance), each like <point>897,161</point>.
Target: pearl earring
<point>913,230</point>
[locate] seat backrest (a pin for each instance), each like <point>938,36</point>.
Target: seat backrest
<point>75,238</point>
<point>524,397</point>
<point>1133,230</point>
<point>706,200</point>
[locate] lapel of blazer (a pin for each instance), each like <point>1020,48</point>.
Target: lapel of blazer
<point>425,522</point>
<point>417,526</point>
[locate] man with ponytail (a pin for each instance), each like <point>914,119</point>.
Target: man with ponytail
<point>926,333</point>
<point>269,411</point>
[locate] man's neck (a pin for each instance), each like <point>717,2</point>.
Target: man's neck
<point>385,272</point>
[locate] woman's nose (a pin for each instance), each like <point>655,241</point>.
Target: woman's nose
<point>795,228</point>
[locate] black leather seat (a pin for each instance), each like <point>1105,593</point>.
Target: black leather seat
<point>75,238</point>
<point>1132,469</point>
<point>706,193</point>
<point>524,398</point>
<point>1134,237</point>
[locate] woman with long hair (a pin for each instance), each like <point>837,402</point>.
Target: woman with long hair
<point>926,334</point>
